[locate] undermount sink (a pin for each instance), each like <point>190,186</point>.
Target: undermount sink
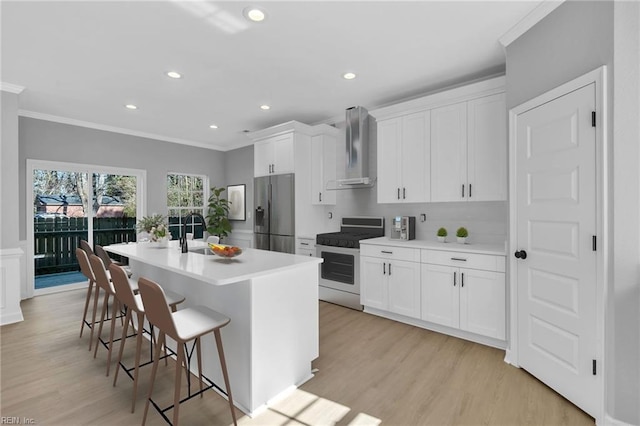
<point>201,250</point>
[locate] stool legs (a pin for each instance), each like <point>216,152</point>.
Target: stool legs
<point>154,370</point>
<point>223,365</point>
<point>114,312</point>
<point>86,305</point>
<point>95,310</point>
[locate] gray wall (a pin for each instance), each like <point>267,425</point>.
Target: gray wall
<point>8,156</point>
<point>576,38</point>
<point>239,166</point>
<point>46,140</point>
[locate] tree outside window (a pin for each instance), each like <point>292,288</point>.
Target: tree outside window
<point>186,194</point>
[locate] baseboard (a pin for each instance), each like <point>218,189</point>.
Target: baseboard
<point>610,421</point>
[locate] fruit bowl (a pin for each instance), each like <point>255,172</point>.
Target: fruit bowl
<point>227,252</point>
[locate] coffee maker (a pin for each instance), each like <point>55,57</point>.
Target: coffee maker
<point>403,228</point>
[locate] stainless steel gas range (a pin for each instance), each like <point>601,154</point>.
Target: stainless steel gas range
<point>340,271</point>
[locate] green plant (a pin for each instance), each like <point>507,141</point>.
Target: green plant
<point>462,232</point>
<point>155,225</point>
<point>442,232</point>
<point>217,220</point>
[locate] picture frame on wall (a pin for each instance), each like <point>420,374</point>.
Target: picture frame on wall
<point>237,205</point>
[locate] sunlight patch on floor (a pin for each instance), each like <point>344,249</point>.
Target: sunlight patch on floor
<point>304,408</point>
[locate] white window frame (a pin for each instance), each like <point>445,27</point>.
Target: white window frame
<point>205,197</point>
<point>29,290</point>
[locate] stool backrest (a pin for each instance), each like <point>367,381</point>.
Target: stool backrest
<point>120,283</point>
<point>100,273</point>
<point>85,267</point>
<point>156,308</point>
<point>84,245</point>
<point>102,254</point>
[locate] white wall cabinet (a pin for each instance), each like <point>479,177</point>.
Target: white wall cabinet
<point>390,280</point>
<point>472,300</point>
<point>403,159</point>
<point>274,155</point>
<point>448,146</point>
<point>469,150</point>
<point>323,167</point>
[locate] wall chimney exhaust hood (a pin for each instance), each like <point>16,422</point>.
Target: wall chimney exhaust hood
<point>357,151</point>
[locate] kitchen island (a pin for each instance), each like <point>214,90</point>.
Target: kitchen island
<point>271,298</point>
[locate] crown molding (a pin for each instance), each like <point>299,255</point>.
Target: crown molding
<point>11,88</point>
<point>525,24</point>
<point>113,129</point>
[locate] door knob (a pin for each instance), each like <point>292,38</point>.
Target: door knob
<point>521,254</point>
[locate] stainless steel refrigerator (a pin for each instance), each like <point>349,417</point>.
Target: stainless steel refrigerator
<point>274,216</point>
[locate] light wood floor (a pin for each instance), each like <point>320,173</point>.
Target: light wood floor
<point>371,371</point>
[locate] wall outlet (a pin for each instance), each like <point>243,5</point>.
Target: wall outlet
<point>423,217</point>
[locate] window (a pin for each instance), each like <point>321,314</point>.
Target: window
<point>186,194</point>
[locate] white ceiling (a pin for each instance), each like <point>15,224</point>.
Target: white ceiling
<point>82,61</point>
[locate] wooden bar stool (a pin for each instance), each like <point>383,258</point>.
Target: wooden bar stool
<point>133,303</point>
<point>103,281</point>
<point>102,254</point>
<point>85,268</point>
<point>182,326</point>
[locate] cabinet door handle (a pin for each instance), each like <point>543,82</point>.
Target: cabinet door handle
<point>459,259</point>
<point>389,269</point>
<point>463,190</point>
<point>386,252</point>
<point>384,268</point>
<point>304,244</point>
<point>320,196</point>
<point>462,279</point>
<point>398,193</point>
<point>469,190</point>
<point>454,279</point>
<point>404,193</point>
<point>273,168</point>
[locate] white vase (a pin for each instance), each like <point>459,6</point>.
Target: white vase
<point>442,239</point>
<point>462,240</point>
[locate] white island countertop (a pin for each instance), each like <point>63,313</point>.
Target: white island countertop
<point>209,267</point>
<point>495,249</point>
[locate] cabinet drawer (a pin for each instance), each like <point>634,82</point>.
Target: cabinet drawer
<point>485,262</point>
<point>305,243</point>
<point>388,252</point>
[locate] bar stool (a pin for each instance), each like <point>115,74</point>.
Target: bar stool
<point>84,245</point>
<point>102,254</point>
<point>103,281</point>
<point>133,303</point>
<point>182,326</point>
<point>86,270</point>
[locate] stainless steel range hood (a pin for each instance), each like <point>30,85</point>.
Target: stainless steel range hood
<point>357,150</point>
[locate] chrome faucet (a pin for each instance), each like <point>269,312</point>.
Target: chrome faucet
<point>183,237</point>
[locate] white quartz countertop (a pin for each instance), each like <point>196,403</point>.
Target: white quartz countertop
<point>495,249</point>
<point>209,268</point>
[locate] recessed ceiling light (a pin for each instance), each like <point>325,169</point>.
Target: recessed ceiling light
<point>348,76</point>
<point>213,126</point>
<point>265,107</point>
<point>130,106</point>
<point>174,74</point>
<point>254,14</point>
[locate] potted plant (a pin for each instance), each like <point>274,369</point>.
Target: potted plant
<point>217,215</point>
<point>155,226</point>
<point>442,235</point>
<point>462,235</point>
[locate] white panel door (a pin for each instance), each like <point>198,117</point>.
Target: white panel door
<point>440,295</point>
<point>449,152</point>
<point>389,157</point>
<point>415,167</point>
<point>404,288</point>
<point>556,219</point>
<point>487,149</point>
<point>262,158</point>
<point>283,161</point>
<point>373,282</point>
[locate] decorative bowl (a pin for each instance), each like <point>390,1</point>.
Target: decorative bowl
<point>227,252</point>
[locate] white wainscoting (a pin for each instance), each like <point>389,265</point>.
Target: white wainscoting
<point>10,285</point>
<point>240,238</point>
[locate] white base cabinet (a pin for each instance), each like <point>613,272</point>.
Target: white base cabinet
<point>388,282</point>
<point>461,293</point>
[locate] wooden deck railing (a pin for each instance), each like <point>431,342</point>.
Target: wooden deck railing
<point>56,239</point>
